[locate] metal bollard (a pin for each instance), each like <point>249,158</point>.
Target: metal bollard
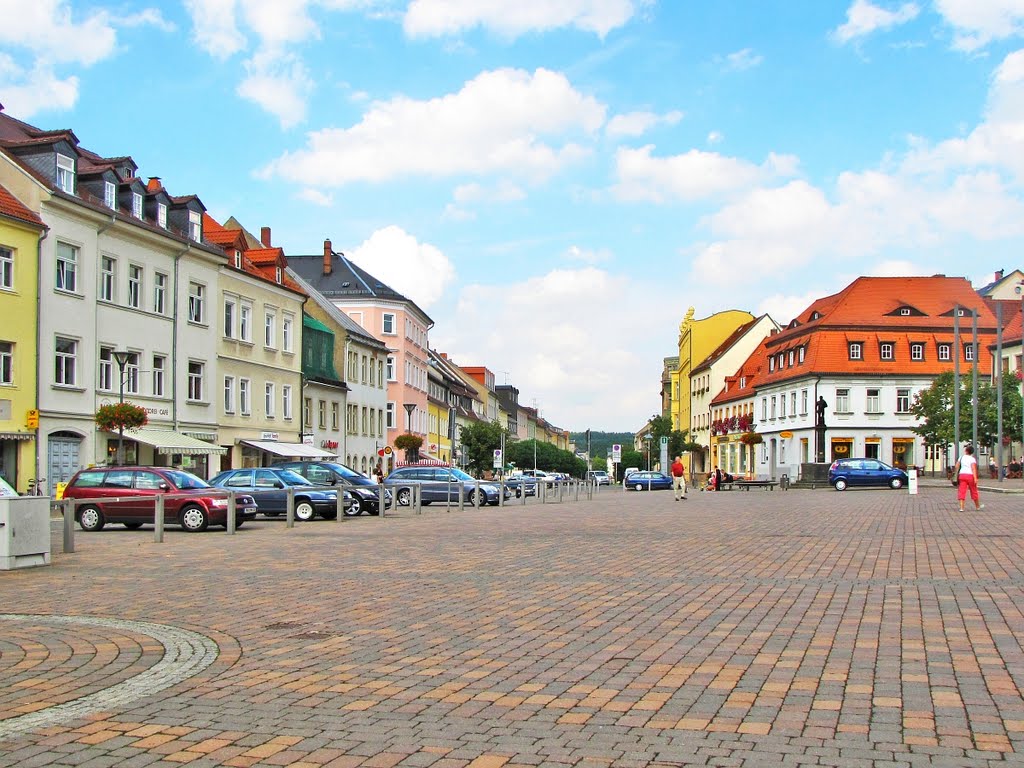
<point>381,501</point>
<point>476,496</point>
<point>417,495</point>
<point>289,509</point>
<point>501,493</point>
<point>462,497</point>
<point>339,503</point>
<point>158,519</point>
<point>232,513</point>
<point>69,525</point>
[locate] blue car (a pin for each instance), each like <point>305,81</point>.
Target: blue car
<point>270,489</point>
<point>648,481</point>
<point>863,473</point>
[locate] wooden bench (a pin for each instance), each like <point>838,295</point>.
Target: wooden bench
<point>746,485</point>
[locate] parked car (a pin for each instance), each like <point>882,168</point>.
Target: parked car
<point>848,473</point>
<point>269,486</point>
<point>648,481</point>
<point>629,471</point>
<point>365,492</point>
<point>442,484</point>
<point>548,478</point>
<point>599,476</point>
<point>191,503</point>
<point>6,489</point>
<point>519,484</point>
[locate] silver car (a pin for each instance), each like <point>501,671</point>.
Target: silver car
<point>441,484</point>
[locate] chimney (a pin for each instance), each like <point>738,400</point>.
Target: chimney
<point>327,257</point>
<point>999,275</point>
<point>265,236</point>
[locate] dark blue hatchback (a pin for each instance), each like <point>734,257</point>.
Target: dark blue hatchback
<point>862,473</point>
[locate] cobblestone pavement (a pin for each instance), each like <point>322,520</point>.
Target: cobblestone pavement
<point>866,628</point>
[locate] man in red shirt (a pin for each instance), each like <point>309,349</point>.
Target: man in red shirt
<point>679,479</point>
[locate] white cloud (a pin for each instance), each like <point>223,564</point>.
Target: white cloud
<point>215,27</point>
<point>638,123</point>
<point>148,17</point>
<point>565,363</point>
<point>279,83</point>
<point>978,22</point>
<point>502,192</point>
<point>28,92</point>
<point>587,256</point>
<point>864,18</point>
<point>316,197</point>
<point>419,271</point>
<point>695,175</point>
<point>743,60</point>
<point>434,18</point>
<point>715,137</point>
<point>495,123</point>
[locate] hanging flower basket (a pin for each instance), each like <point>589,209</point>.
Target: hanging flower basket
<point>751,438</point>
<point>121,416</point>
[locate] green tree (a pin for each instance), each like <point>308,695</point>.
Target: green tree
<point>479,442</point>
<point>934,408</point>
<point>549,458</point>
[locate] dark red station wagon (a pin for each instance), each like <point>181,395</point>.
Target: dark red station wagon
<point>191,503</point>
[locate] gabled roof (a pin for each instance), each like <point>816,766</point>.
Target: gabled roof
<point>351,326</point>
<point>726,345</point>
<point>12,208</point>
<point>742,384</point>
<point>262,262</point>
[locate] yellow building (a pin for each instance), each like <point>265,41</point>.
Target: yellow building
<point>19,290</point>
<point>697,340</point>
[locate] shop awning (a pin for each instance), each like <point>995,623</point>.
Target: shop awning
<point>17,435</point>
<point>166,441</point>
<point>291,450</point>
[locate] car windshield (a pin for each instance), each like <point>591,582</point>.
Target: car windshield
<point>6,489</point>
<point>460,475</point>
<point>351,475</point>
<point>291,478</point>
<point>185,480</point>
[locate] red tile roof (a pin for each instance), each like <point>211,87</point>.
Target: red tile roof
<point>12,208</point>
<point>748,374</point>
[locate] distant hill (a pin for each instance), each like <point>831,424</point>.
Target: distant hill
<point>601,442</point>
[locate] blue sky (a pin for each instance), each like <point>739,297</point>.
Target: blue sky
<point>555,183</point>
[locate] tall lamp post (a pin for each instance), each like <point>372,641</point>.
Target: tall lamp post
<point>647,439</point>
<point>121,357</point>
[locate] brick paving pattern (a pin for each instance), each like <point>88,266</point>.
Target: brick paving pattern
<point>799,628</point>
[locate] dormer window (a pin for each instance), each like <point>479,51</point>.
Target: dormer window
<point>238,259</point>
<point>771,363</point>
<point>195,226</point>
<point>743,382</point>
<point>905,311</point>
<point>161,215</point>
<point>110,194</point>
<point>885,351</point>
<point>66,174</point>
<point>802,351</point>
<point>856,350</point>
<point>279,275</point>
<point>136,205</point>
<point>815,315</point>
<point>791,357</point>
<point>944,352</point>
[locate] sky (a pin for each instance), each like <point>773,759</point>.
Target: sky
<point>556,183</point>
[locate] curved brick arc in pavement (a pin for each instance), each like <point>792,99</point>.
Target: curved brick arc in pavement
<point>186,654</point>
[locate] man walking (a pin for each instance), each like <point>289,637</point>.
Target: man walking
<point>679,479</point>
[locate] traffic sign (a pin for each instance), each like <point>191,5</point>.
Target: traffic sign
<point>497,458</point>
<point>664,441</point>
<point>387,450</point>
<point>616,453</point>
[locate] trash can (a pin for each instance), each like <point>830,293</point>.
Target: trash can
<point>784,482</point>
<point>24,531</point>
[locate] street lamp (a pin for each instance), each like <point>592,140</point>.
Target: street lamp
<point>647,438</point>
<point>121,357</point>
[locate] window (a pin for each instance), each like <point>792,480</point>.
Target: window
<point>321,412</point>
<point>196,299</point>
<point>245,396</point>
<point>131,374</point>
<point>917,352</point>
<point>782,406</point>
<point>106,369</point>
<point>286,333</point>
<point>363,379</point>
<point>160,293</point>
<point>764,409</point>
<point>229,319</point>
<point>792,403</point>
<point>67,266</point>
<point>856,350</point>
<point>902,401</point>
<point>380,374</point>
<point>944,352</point>
<point>886,351</point>
<point>335,416</point>
<point>391,416</point>
<point>792,355</point>
<point>391,368</point>
<point>803,401</point>
<point>269,396</point>
<point>136,205</point>
<point>905,311</point>
<point>107,269</point>
<point>110,194</point>
<point>66,174</point>
<point>195,380</point>
<point>307,412</point>
<point>134,285</point>
<point>159,363</point>
<point>6,268</point>
<point>245,322</point>
<point>365,420</point>
<point>969,352</point>
<point>774,403</point>
<point>872,401</point>
<point>842,401</point>
<point>6,362</point>
<point>64,363</point>
<point>229,394</point>
<point>286,401</point>
<point>195,226</point>
<point>161,215</point>
<point>802,353</point>
<point>270,330</point>
<point>388,325</point>
<point>771,363</point>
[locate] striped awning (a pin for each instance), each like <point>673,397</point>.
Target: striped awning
<point>166,441</point>
<point>17,435</point>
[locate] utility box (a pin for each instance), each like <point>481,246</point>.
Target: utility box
<point>24,531</point>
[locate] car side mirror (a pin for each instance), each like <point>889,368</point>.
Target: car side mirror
<point>164,487</point>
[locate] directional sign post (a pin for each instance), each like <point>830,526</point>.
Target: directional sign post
<point>497,458</point>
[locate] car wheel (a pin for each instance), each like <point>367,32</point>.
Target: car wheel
<point>403,497</point>
<point>896,483</point>
<point>304,511</point>
<point>356,507</point>
<point>471,498</point>
<point>91,519</point>
<point>519,493</point>
<point>132,526</point>
<point>194,519</point>
<point>638,487</point>
<point>840,484</point>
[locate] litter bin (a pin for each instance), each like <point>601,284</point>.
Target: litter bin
<point>24,531</point>
<point>784,482</point>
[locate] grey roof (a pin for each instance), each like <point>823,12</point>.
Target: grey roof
<point>346,281</point>
<point>342,319</point>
